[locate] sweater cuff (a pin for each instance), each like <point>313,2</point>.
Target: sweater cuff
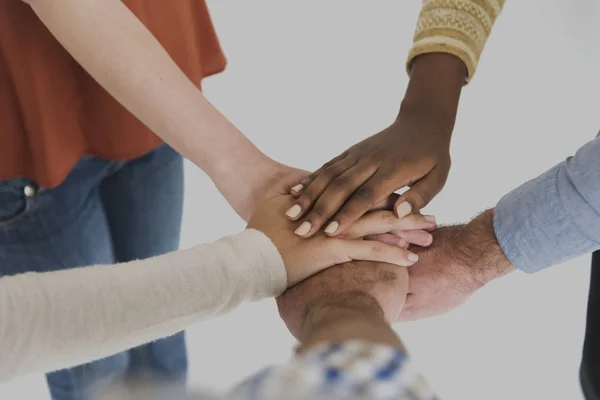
<point>264,263</point>
<point>457,27</point>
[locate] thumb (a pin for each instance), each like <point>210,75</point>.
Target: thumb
<point>418,196</point>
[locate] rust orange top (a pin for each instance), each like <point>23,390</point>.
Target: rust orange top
<point>52,112</point>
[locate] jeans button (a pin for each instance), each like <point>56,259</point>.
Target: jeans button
<point>30,190</point>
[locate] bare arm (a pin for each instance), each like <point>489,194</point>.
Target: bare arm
<point>117,50</point>
<point>414,151</point>
<point>342,318</point>
<point>349,316</point>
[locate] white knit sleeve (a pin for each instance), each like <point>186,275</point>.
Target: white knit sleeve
<point>56,320</point>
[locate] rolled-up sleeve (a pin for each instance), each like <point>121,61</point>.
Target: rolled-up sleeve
<point>554,217</point>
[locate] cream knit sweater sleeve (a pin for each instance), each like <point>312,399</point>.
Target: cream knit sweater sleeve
<point>56,320</point>
<point>458,27</point>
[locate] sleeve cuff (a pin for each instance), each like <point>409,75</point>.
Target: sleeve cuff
<point>262,262</point>
<point>457,27</point>
<point>539,224</point>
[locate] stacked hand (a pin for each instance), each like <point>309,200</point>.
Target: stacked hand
<point>413,151</point>
<point>304,258</point>
<point>462,259</point>
<point>346,284</point>
<point>346,196</point>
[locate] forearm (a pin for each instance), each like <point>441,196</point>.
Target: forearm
<point>448,43</point>
<point>554,217</point>
<point>346,337</point>
<point>436,80</point>
<point>434,88</point>
<point>346,317</point>
<point>476,246</point>
<point>117,50</point>
<point>60,319</point>
<point>348,351</point>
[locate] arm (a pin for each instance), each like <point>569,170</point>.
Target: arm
<point>346,317</point>
<point>55,320</point>
<point>117,50</point>
<point>554,217</point>
<point>545,221</point>
<point>414,150</point>
<point>342,318</point>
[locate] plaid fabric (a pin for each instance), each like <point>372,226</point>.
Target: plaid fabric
<point>352,370</point>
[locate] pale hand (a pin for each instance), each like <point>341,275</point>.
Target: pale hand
<point>304,258</point>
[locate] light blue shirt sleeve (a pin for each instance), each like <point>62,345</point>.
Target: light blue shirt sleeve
<point>554,217</point>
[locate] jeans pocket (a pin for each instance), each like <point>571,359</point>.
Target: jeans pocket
<point>15,200</point>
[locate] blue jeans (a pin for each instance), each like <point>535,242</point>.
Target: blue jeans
<point>104,212</point>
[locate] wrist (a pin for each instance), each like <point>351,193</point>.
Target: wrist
<point>331,306</point>
<point>435,85</point>
<point>479,250</point>
<point>243,187</point>
<point>346,316</point>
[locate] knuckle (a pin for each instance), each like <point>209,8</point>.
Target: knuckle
<point>341,182</point>
<point>418,200</point>
<point>387,217</point>
<point>364,194</point>
<point>378,248</point>
<point>305,199</point>
<point>318,213</point>
<point>332,171</point>
<point>328,164</point>
<point>312,176</point>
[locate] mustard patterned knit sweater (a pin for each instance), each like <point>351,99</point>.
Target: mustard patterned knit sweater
<point>458,27</point>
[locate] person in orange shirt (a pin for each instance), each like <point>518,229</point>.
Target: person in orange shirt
<point>88,92</point>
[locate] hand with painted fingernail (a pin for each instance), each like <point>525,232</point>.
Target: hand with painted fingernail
<point>304,258</point>
<point>412,230</point>
<point>413,152</point>
<point>350,185</point>
<point>332,228</point>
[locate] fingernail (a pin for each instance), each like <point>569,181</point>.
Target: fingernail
<point>402,243</point>
<point>413,257</point>
<point>430,218</point>
<point>430,239</point>
<point>332,227</point>
<point>298,188</point>
<point>303,229</point>
<point>293,211</point>
<point>403,209</point>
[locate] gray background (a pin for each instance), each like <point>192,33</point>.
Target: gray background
<point>306,79</point>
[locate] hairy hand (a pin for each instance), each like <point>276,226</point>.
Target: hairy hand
<point>461,260</point>
<point>386,283</point>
